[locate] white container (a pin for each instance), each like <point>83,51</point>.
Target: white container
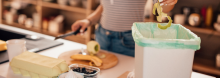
<point>29,23</point>
<point>15,47</point>
<point>163,63</point>
<point>167,53</point>
<point>179,19</point>
<point>36,20</point>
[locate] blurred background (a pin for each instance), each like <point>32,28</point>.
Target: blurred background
<point>55,17</point>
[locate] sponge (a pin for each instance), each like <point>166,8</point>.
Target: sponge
<point>2,45</point>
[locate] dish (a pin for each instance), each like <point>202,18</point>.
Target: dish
<point>86,71</point>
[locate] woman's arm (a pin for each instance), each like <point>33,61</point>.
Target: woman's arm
<point>96,15</point>
<point>90,20</point>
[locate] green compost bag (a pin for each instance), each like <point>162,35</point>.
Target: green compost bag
<point>147,34</point>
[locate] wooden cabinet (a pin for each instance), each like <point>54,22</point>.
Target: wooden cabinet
<point>45,9</point>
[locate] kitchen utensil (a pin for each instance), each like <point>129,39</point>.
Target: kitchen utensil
<point>203,13</point>
<point>45,24</point>
<point>29,23</point>
<point>194,19</point>
<point>10,17</point>
<point>36,20</point>
<point>22,18</point>
<point>83,52</point>
<point>186,11</point>
<point>209,16</point>
<point>108,62</point>
<point>15,47</point>
<point>56,24</point>
<point>55,27</point>
<point>69,34</point>
<point>179,19</point>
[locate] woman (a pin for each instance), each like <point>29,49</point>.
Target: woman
<point>116,18</point>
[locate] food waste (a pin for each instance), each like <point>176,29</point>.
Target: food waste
<point>94,59</point>
<point>160,15</point>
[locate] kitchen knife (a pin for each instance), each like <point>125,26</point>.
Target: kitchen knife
<point>69,34</point>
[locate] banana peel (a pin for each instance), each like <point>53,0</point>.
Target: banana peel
<point>95,61</point>
<point>161,15</point>
<point>166,26</point>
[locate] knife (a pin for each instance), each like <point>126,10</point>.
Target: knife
<point>69,34</point>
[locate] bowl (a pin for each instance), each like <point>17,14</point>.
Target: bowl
<point>91,72</point>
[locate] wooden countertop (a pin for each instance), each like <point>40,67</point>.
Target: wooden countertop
<point>126,63</point>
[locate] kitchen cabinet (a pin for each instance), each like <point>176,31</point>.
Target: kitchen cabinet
<point>45,9</point>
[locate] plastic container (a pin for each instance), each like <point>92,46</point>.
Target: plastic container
<point>88,68</point>
<point>165,53</point>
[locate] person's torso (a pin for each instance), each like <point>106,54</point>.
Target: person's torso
<point>119,15</point>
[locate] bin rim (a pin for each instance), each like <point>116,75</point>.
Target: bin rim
<point>192,41</point>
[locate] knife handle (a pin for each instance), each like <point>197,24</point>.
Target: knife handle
<point>73,33</point>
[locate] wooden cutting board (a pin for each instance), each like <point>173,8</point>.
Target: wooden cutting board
<point>109,61</point>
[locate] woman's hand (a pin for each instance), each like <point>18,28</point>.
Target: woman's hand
<point>81,23</point>
<point>167,5</point>
<point>168,2</point>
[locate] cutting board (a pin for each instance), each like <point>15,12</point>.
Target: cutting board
<point>108,62</point>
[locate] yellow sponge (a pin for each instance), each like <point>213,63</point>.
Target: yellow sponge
<point>38,66</point>
<point>2,45</point>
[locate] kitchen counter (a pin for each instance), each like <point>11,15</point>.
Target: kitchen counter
<point>126,63</point>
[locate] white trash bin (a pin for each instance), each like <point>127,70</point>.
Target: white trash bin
<point>165,53</point>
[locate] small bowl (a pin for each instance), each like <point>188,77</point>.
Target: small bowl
<point>90,68</point>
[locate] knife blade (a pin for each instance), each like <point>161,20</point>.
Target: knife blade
<point>69,34</point>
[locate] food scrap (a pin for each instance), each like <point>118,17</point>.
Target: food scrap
<point>94,60</point>
<point>161,14</point>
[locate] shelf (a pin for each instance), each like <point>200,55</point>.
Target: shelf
<point>64,7</point>
<point>205,66</point>
<point>34,2</point>
<point>77,38</point>
<point>21,26</point>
